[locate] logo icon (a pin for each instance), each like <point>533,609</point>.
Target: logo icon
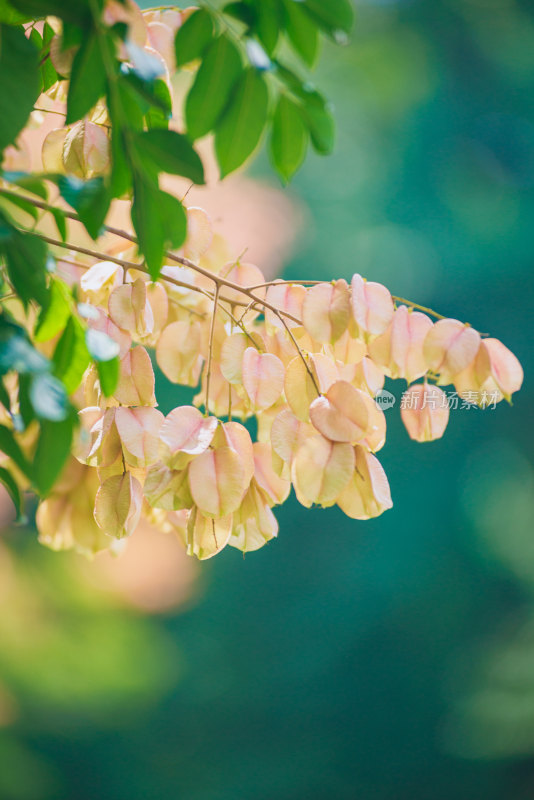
<point>385,399</point>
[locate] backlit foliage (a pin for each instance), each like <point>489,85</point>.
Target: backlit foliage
<point>306,360</point>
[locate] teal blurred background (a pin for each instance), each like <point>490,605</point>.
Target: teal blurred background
<point>385,660</point>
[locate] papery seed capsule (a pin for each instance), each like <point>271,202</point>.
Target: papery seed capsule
<point>100,280</point>
<point>263,377</point>
<point>217,481</point>
<point>450,347</point>
<point>372,306</point>
<point>326,311</point>
<point>341,415</point>
<point>139,430</point>
<point>118,505</point>
<point>130,309</point>
<point>320,470</point>
<point>136,381</point>
<point>185,430</point>
<point>177,352</point>
<point>367,493</point>
<point>425,412</point>
<point>205,536</point>
<point>399,351</point>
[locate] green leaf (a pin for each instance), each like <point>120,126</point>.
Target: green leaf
<point>240,129</point>
<point>108,375</point>
<point>302,32</point>
<point>48,397</point>
<point>320,123</point>
<point>121,176</point>
<point>12,488</point>
<point>101,346</point>
<point>75,11</point>
<point>21,203</point>
<point>52,452</point>
<point>71,356</point>
<point>174,220</point>
<point>159,221</point>
<point>193,37</point>
<point>268,23</point>
<point>138,96</point>
<point>213,84</point>
<point>316,111</point>
<point>10,16</point>
<point>10,447</point>
<point>146,66</point>
<point>168,151</point>
<point>26,265</point>
<point>4,397</point>
<point>48,73</point>
<point>242,11</point>
<point>90,199</point>
<point>158,115</point>
<point>61,224</point>
<point>25,405</point>
<point>87,80</point>
<point>19,74</point>
<point>55,315</point>
<point>289,138</point>
<point>31,183</point>
<point>336,17</point>
<point>17,353</point>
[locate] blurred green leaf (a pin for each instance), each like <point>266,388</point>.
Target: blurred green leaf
<point>90,199</point>
<point>101,346</point>
<point>241,126</point>
<point>268,23</point>
<point>53,449</point>
<point>16,352</point>
<point>13,490</point>
<point>87,80</point>
<point>10,15</point>
<point>26,263</point>
<point>242,11</point>
<point>61,224</point>
<point>26,411</point>
<point>159,221</point>
<point>160,112</point>
<point>71,356</point>
<point>211,89</point>
<point>48,397</point>
<point>289,138</point>
<point>77,12</point>
<point>31,183</point>
<point>10,447</point>
<point>21,203</point>
<point>302,32</point>
<point>168,151</point>
<point>320,123</point>
<point>336,17</point>
<point>193,37</point>
<point>146,66</point>
<point>55,315</point>
<point>108,375</point>
<point>19,71</point>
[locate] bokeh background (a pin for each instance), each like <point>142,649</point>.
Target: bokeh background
<point>384,660</point>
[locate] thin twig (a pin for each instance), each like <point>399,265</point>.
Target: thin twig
<point>210,350</point>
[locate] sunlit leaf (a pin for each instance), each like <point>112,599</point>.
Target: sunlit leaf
<point>210,92</point>
<point>19,68</point>
<point>241,126</point>
<point>193,37</point>
<point>289,138</point>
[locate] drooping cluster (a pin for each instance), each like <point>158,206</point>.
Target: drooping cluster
<point>306,362</point>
